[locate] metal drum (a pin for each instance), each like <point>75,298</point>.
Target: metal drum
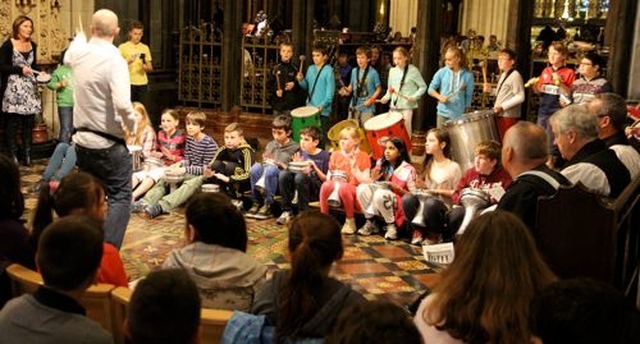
<point>210,188</point>
<point>136,157</point>
<point>338,178</point>
<point>298,166</point>
<point>151,163</point>
<point>476,127</point>
<point>303,117</point>
<point>422,196</point>
<point>472,200</point>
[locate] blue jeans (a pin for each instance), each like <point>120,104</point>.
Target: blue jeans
<point>271,182</point>
<point>113,167</point>
<point>62,161</point>
<point>65,114</point>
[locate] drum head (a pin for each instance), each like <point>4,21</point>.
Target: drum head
<point>383,121</point>
<point>305,111</point>
<point>43,78</point>
<point>134,148</point>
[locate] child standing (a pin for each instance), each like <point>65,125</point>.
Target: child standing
<point>319,84</point>
<point>199,151</point>
<point>286,94</point>
<point>399,176</point>
<point>216,260</point>
<point>343,77</point>
<point>138,57</point>
<point>277,155</point>
<point>441,176</point>
<point>169,148</point>
<point>307,183</point>
<point>355,164</point>
<point>230,166</point>
<point>452,86</point>
<point>364,87</point>
<point>61,82</point>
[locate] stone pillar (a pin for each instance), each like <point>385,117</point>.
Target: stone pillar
<point>426,55</point>
<point>232,54</point>
<point>621,18</point>
<point>633,91</point>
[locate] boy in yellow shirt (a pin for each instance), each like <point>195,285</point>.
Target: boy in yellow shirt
<point>138,57</point>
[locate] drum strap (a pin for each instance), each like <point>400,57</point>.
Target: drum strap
<point>503,80</point>
<point>315,83</point>
<point>360,84</point>
<point>404,76</point>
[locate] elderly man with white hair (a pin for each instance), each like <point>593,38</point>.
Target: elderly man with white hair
<point>589,161</point>
<point>102,110</point>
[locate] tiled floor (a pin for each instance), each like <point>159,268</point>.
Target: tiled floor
<point>377,268</point>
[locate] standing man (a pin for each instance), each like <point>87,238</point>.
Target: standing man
<point>138,57</point>
<point>101,111</point>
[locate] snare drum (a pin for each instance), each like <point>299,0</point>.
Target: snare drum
<point>136,157</point>
<point>382,127</point>
<point>476,127</point>
<point>303,117</point>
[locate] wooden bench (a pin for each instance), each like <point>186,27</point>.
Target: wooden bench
<point>582,234</point>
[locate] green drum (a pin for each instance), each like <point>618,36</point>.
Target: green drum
<point>304,117</point>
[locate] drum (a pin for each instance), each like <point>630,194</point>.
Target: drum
<point>334,135</point>
<point>338,177</point>
<point>173,176</point>
<point>472,200</point>
<point>303,117</point>
<point>298,166</point>
<point>210,188</point>
<point>476,127</point>
<point>136,157</point>
<point>383,126</point>
<point>151,163</point>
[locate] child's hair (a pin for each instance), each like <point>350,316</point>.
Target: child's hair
<point>285,44</point>
<point>216,221</point>
<point>583,311</point>
<point>350,131</point>
<point>69,252</point>
<point>313,132</point>
<point>491,149</point>
<point>196,117</point>
<point>136,25</point>
<point>401,50</point>
<point>364,51</point>
<point>380,322</point>
<point>561,48</point>
<point>76,191</point>
<point>12,200</point>
<point>146,122</point>
<point>164,308</point>
<point>235,126</point>
<point>281,122</point>
<point>315,243</point>
<point>457,52</point>
<point>319,48</point>
<point>512,54</point>
<point>403,155</point>
<point>173,113</point>
<point>596,60</point>
<point>489,260</point>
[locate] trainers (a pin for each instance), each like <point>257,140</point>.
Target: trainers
<point>284,218</point>
<point>138,206</point>
<point>238,204</point>
<point>153,210</point>
<point>349,226</point>
<point>391,232</point>
<point>295,198</point>
<point>368,228</point>
<point>253,210</point>
<point>434,241</point>
<point>264,212</point>
<point>417,237</point>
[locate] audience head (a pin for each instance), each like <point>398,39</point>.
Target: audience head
<point>315,243</point>
<point>489,260</point>
<point>12,200</point>
<point>69,253</point>
<point>78,194</point>
<point>19,31</point>
<point>213,220</point>
<point>164,308</point>
<point>591,64</point>
<point>104,24</point>
<point>487,157</point>
<point>524,147</point>
<point>375,322</point>
<point>583,311</point>
<point>573,127</point>
<point>611,110</point>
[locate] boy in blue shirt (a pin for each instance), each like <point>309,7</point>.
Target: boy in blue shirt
<point>320,85</point>
<point>364,87</point>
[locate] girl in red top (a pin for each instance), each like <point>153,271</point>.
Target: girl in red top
<point>79,194</point>
<point>352,164</point>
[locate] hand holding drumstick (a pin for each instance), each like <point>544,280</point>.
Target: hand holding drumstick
<point>300,76</point>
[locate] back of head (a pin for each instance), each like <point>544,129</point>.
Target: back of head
<point>12,200</point>
<point>315,243</point>
<point>69,253</point>
<point>528,141</point>
<point>578,118</point>
<point>375,322</point>
<point>164,308</point>
<point>612,105</point>
<point>104,23</point>
<point>216,221</point>
<point>584,311</point>
<point>490,257</point>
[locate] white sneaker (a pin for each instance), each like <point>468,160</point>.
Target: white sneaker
<point>284,218</point>
<point>368,228</point>
<point>349,226</point>
<point>391,232</point>
<point>295,198</point>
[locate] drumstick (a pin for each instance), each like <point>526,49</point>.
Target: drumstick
<point>302,58</point>
<point>278,80</point>
<point>484,70</point>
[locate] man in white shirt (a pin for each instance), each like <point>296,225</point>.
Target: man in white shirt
<point>102,109</point>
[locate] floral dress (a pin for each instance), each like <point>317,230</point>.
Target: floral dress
<point>22,95</point>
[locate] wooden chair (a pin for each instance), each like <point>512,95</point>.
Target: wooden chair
<point>96,300</point>
<point>212,321</point>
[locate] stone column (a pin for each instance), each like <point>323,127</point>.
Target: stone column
<point>426,54</point>
<point>621,31</point>
<point>232,54</point>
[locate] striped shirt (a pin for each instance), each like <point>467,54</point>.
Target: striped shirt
<point>198,154</point>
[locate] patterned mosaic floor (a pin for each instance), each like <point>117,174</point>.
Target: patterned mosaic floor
<point>377,268</point>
